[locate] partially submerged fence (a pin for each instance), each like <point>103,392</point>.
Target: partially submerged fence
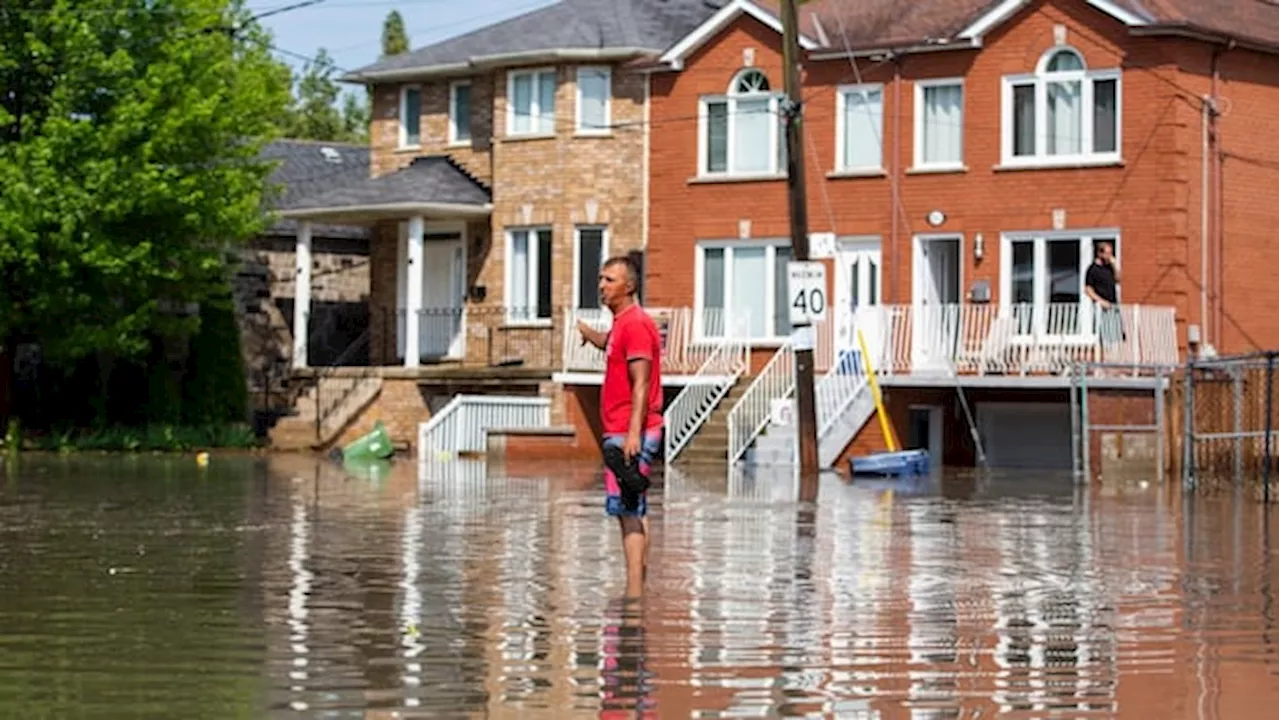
<point>1229,420</point>
<point>1120,422</point>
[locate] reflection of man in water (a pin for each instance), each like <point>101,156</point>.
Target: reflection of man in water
<point>625,690</point>
<point>1100,285</point>
<point>630,410</point>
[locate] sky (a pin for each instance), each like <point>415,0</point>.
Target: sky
<point>351,30</point>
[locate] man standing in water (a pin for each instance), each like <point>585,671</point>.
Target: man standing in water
<point>630,410</point>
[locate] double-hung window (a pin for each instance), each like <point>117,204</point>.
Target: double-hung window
<point>594,85</point>
<point>1063,114</point>
<point>740,133</point>
<point>860,128</point>
<point>742,289</point>
<point>1042,281</point>
<point>531,102</point>
<point>589,249</point>
<point>529,275</point>
<point>939,124</point>
<point>460,112</point>
<point>410,116</point>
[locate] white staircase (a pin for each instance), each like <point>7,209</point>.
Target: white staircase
<point>695,403</point>
<point>462,426</point>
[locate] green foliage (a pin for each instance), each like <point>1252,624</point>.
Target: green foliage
<point>314,113</point>
<point>129,141</point>
<point>151,438</point>
<point>215,389</point>
<point>395,39</point>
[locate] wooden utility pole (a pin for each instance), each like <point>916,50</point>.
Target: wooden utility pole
<point>793,115</point>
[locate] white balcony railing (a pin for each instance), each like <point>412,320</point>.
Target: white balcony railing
<point>689,338</point>
<point>462,425</point>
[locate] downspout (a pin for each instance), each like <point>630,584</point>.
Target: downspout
<point>894,207</point>
<point>644,167</point>
<point>1205,103</point>
<point>1219,317</point>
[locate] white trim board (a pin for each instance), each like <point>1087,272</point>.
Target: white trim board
<point>1007,9</point>
<point>702,34</point>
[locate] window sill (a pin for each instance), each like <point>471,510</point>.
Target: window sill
<point>528,137</point>
<point>755,177</point>
<point>1046,164</point>
<point>857,173</point>
<point>459,144</point>
<point>407,149</point>
<point>545,324</point>
<point>937,169</point>
<point>593,134</point>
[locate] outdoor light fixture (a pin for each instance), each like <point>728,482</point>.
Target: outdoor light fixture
<point>977,246</point>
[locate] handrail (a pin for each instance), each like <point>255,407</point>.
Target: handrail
<point>323,411</point>
<point>462,424</point>
<point>751,414</point>
<point>695,403</point>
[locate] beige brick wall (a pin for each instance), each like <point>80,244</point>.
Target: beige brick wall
<point>559,181</point>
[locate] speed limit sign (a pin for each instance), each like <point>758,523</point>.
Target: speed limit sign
<point>807,292</point>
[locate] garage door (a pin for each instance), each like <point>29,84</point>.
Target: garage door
<point>1026,435</point>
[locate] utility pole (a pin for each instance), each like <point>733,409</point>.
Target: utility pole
<point>803,336</point>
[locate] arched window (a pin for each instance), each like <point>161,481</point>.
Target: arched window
<point>740,131</point>
<point>1063,113</point>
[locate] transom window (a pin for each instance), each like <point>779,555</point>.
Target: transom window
<point>740,132</point>
<point>1062,114</point>
<point>1042,280</point>
<point>742,289</point>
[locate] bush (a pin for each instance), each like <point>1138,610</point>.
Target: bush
<point>153,438</point>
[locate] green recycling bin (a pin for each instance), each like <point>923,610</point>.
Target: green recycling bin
<point>376,444</point>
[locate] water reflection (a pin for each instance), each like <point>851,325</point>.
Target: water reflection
<point>304,589</point>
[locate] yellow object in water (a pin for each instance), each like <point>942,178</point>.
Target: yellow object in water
<point>890,438</point>
<point>202,459</point>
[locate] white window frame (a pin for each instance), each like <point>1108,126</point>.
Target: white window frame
<point>1038,335</point>
<point>534,98</point>
<point>841,93</point>
<point>1040,80</point>
<point>605,128</point>
<point>404,134</point>
<point>771,245</point>
<point>534,270</point>
<point>777,160</point>
<point>577,257</point>
<point>454,138</point>
<point>918,161</point>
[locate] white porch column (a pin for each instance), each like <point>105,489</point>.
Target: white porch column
<point>413,294</point>
<point>301,294</point>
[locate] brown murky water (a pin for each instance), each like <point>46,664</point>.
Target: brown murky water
<point>148,588</point>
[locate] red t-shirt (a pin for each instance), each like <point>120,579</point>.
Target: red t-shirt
<point>633,337</point>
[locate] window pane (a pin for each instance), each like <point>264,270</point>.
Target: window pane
<point>1024,120</point>
<point>1022,283</point>
<point>462,112</point>
<point>781,299</point>
<point>1104,116</point>
<point>1064,61</point>
<point>1065,115</point>
<point>717,137</point>
<point>590,255</point>
<point>942,124</point>
<point>412,117</point>
<point>593,94</point>
<point>1064,287</point>
<point>544,273</point>
<point>522,104</point>
<point>873,283</point>
<point>863,129</point>
<point>752,124</point>
<point>547,102</point>
<point>855,269</point>
<point>713,291</point>
<point>750,277</point>
<point>518,296</point>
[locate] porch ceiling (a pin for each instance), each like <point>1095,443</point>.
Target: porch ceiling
<point>433,186</point>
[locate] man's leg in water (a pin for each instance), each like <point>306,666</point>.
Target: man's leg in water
<point>634,524</point>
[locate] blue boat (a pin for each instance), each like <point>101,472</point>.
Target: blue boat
<point>903,463</point>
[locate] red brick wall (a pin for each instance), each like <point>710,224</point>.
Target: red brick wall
<point>401,408</point>
<point>1149,198</point>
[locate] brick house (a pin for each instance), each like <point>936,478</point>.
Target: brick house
<point>963,160</point>
<point>505,164</point>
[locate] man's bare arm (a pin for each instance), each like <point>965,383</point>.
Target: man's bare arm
<point>638,369</point>
<point>598,338</point>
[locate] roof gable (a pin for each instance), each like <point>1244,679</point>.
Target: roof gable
<point>713,25</point>
<point>1005,9</point>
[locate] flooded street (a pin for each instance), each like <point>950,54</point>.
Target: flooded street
<point>146,587</point>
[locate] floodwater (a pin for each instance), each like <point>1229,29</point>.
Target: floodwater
<point>282,587</point>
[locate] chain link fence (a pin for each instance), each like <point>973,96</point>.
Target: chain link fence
<point>1229,424</point>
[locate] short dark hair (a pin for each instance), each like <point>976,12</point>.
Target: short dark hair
<point>1097,247</point>
<point>633,272</point>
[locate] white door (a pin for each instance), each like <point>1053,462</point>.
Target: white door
<point>935,295</point>
<point>858,299</point>
<point>440,331</point>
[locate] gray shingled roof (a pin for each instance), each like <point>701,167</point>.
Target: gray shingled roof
<point>649,25</point>
<point>428,179</point>
<point>308,168</point>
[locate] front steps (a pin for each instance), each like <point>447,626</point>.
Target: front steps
<point>709,447</point>
<point>342,400</point>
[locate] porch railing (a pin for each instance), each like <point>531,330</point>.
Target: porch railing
<point>473,336</point>
<point>462,425</point>
<point>689,338</point>
<point>693,406</point>
<point>1022,339</point>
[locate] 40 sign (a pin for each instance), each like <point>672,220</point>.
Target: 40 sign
<point>807,292</point>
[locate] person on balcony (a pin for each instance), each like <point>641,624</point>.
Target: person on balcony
<point>1100,285</point>
<point>630,410</point>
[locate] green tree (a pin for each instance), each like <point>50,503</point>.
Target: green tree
<point>395,39</point>
<point>355,118</point>
<point>130,133</point>
<point>314,114</point>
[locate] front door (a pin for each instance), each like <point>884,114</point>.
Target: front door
<point>935,306</point>
<point>858,300</point>
<point>440,321</point>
